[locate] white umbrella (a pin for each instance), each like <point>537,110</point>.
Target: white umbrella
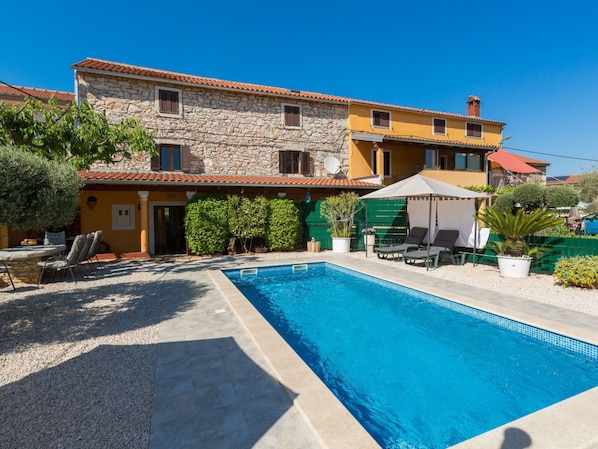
<point>421,186</point>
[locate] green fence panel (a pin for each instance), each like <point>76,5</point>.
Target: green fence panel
<point>556,248</point>
<point>388,217</point>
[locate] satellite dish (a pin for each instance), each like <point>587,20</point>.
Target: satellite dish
<point>332,165</point>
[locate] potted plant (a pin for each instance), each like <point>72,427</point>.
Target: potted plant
<point>339,211</point>
<point>513,253</point>
<point>369,238</point>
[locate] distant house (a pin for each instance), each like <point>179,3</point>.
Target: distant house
<point>11,95</point>
<point>569,180</point>
<point>508,169</point>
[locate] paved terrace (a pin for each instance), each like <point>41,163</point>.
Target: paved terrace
<point>210,373</point>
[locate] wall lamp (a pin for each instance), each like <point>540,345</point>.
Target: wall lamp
<point>91,202</point>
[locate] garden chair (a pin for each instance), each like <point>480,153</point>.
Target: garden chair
<point>62,263</point>
<point>6,269</point>
<point>93,249</point>
<point>412,242</point>
<point>443,245</point>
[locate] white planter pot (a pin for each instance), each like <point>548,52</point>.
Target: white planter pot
<point>514,267</point>
<point>369,240</point>
<point>341,245</point>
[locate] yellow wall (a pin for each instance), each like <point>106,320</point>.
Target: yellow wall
<point>407,158</point>
<point>458,178</point>
<point>415,124</point>
<point>100,217</point>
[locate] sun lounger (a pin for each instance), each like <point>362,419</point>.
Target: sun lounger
<point>443,245</point>
<point>412,242</point>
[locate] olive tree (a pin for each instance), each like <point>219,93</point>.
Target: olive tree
<point>35,193</point>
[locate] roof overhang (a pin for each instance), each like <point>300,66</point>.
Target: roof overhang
<point>108,177</point>
<point>441,143</point>
<point>368,137</point>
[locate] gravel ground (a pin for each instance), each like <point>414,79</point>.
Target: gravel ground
<point>77,362</point>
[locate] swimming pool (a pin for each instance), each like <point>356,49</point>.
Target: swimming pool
<point>389,354</point>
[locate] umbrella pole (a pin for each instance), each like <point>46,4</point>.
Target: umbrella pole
<point>366,226</point>
<point>475,237</point>
<point>429,231</point>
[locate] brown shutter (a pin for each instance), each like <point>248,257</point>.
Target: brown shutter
<point>305,163</point>
<point>185,158</point>
<point>155,163</point>
<point>281,162</point>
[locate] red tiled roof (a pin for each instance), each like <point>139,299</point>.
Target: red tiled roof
<point>98,65</point>
<point>122,177</point>
<point>510,162</point>
<point>42,94</point>
<point>529,160</point>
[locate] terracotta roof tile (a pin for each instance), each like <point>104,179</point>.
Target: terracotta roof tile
<point>510,162</point>
<point>42,94</point>
<point>529,160</point>
<point>122,177</point>
<point>92,64</point>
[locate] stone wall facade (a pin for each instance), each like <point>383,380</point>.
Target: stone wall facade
<point>228,132</point>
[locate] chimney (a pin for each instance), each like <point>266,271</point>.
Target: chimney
<point>473,106</point>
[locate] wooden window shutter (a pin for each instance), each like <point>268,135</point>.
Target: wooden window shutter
<point>292,116</point>
<point>281,167</point>
<point>305,163</point>
<point>155,163</point>
<point>185,158</point>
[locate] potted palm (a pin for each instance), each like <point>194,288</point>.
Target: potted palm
<point>513,252</point>
<point>339,211</point>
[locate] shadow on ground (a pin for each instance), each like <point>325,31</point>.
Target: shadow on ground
<point>87,310</point>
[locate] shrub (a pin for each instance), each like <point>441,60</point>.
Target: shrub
<point>530,196</point>
<point>36,193</point>
<point>504,202</point>
<point>206,224</point>
<point>247,219</point>
<point>580,271</point>
<point>284,225</point>
<point>561,196</point>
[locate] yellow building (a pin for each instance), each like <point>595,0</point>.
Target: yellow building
<point>396,142</point>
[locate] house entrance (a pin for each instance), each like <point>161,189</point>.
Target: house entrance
<point>169,230</point>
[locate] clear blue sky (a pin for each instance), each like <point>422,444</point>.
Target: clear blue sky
<point>533,64</point>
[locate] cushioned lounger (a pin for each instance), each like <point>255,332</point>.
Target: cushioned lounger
<point>412,241</point>
<point>443,245</point>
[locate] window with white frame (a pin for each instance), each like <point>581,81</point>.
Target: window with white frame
<point>473,130</point>
<point>386,160</point>
<point>439,127</point>
<point>169,102</point>
<point>291,116</point>
<point>380,119</point>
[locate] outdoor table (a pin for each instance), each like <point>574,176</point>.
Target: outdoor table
<point>23,260</point>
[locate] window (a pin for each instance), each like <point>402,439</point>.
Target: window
<point>294,162</point>
<point>168,102</point>
<point>172,158</point>
<point>474,130</point>
<point>386,155</point>
<point>291,116</point>
<point>380,119</point>
<point>430,158</point>
<point>468,161</point>
<point>439,127</point>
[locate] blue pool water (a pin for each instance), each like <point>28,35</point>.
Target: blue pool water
<point>416,370</point>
